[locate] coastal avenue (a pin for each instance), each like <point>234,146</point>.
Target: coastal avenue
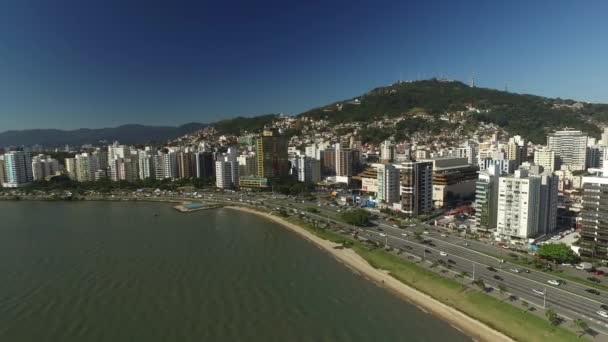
<point>569,300</point>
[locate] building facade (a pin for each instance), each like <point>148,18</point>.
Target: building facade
<point>570,146</point>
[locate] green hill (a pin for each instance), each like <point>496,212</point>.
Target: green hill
<point>528,115</point>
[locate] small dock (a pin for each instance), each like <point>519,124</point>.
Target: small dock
<point>189,207</point>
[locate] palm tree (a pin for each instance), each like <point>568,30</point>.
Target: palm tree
<point>525,305</point>
<point>480,283</point>
<point>552,317</point>
<point>582,327</point>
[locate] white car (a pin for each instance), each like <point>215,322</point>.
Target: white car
<point>538,292</point>
<point>580,267</point>
<point>443,235</point>
<point>425,232</point>
<point>554,282</point>
<point>382,234</point>
<point>396,226</point>
<point>443,254</point>
<point>603,313</point>
<point>515,270</point>
<point>404,234</point>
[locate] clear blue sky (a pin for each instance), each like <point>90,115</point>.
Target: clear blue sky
<point>70,64</point>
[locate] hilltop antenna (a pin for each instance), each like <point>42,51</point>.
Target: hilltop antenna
<point>472,80</point>
<point>506,88</point>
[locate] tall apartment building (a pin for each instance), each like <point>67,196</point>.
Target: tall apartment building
<point>468,150</point>
<point>594,216</point>
<point>226,174</point>
<point>570,146</point>
<point>328,162</point>
<point>86,165</point>
<point>146,165</point>
<point>308,169</point>
<point>17,169</point>
<point>505,165</point>
<point>186,167</point>
<point>596,154</point>
<point>205,164</point>
<point>387,151</point>
<point>43,167</point>
<point>124,169</point>
<point>517,150</point>
<point>416,187</point>
<point>486,198</point>
<point>547,159</point>
<point>165,165</point>
<point>527,204</point>
<point>247,165</point>
<point>70,168</point>
<point>272,155</point>
<point>388,183</point>
<point>344,161</point>
<point>2,170</point>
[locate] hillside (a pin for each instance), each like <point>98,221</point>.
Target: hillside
<point>129,134</point>
<point>528,115</point>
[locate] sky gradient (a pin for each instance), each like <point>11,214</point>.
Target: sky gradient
<point>71,64</point>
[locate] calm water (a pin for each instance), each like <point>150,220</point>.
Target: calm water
<point>115,272</point>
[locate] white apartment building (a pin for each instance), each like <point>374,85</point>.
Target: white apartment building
<point>226,174</point>
<point>309,169</point>
<point>570,146</point>
<point>17,169</point>
<point>547,159</point>
<point>388,183</point>
<point>86,165</point>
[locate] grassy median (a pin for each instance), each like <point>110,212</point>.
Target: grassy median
<point>504,317</point>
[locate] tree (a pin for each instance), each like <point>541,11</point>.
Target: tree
<point>357,217</point>
<point>480,283</point>
<point>525,305</point>
<point>581,326</point>
<point>552,317</point>
<point>557,252</point>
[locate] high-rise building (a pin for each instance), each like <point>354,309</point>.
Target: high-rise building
<point>505,165</point>
<point>387,151</point>
<point>118,151</point>
<point>43,167</point>
<point>570,146</point>
<point>469,150</point>
<point>146,165</point>
<point>388,183</point>
<point>272,154</point>
<point>328,162</point>
<point>604,140</point>
<point>547,159</point>
<point>186,167</point>
<point>594,216</point>
<point>527,204</point>
<point>18,169</point>
<point>486,198</point>
<point>344,161</point>
<point>416,187</point>
<point>86,166</point>
<point>70,168</point>
<point>205,164</point>
<point>517,150</point>
<point>247,165</point>
<point>124,169</point>
<point>2,170</point>
<point>308,169</point>
<point>595,156</point>
<point>226,174</point>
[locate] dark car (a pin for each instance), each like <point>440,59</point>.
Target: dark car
<point>497,277</point>
<point>451,261</point>
<point>604,307</point>
<point>427,251</point>
<point>380,229</point>
<point>593,279</point>
<point>593,291</point>
<point>490,268</point>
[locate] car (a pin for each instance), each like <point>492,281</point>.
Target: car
<point>443,235</point>
<point>593,279</point>
<point>466,244</point>
<point>515,270</point>
<point>526,270</point>
<point>427,251</point>
<point>538,292</point>
<point>604,307</point>
<point>396,226</point>
<point>566,264</point>
<point>490,268</point>
<point>593,291</point>
<point>599,272</point>
<point>408,247</point>
<point>404,234</point>
<point>443,253</point>
<point>603,313</point>
<point>450,261</point>
<point>580,267</point>
<point>554,282</point>
<point>425,232</point>
<point>497,277</point>
<point>380,229</point>
<point>382,234</point>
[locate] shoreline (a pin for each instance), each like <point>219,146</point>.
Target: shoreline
<point>348,257</point>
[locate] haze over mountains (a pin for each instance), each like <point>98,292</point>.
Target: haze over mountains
<point>528,115</point>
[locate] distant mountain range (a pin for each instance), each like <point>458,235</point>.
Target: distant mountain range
<point>527,115</point>
<point>128,134</point>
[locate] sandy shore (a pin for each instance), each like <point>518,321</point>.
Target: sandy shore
<point>350,258</point>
